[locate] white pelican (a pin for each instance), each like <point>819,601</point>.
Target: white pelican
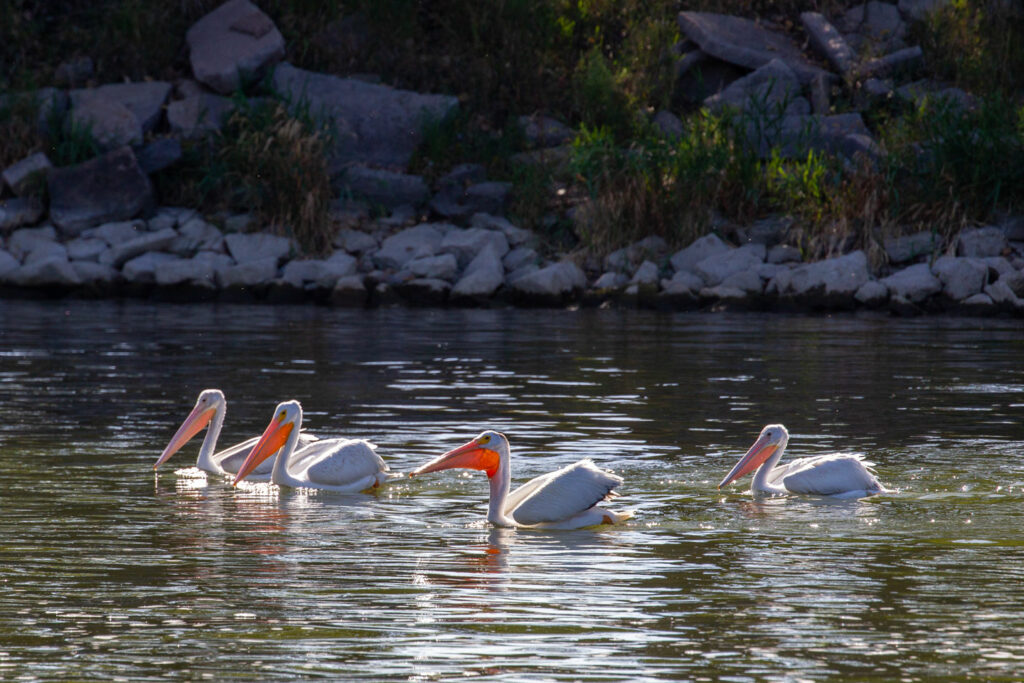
<point>346,465</point>
<point>842,475</point>
<point>210,409</point>
<point>565,499</point>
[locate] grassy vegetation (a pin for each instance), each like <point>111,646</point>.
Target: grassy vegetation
<point>602,66</point>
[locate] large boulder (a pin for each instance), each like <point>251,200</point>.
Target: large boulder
<point>960,277</point>
<point>982,242</point>
<point>248,274</point>
<point>772,89</point>
<point>552,284</point>
<point>914,283</point>
<point>22,176</point>
<point>232,45</point>
<point>141,269</point>
<point>19,211</point>
<point>373,124</point>
<point>198,272</point>
<point>699,249</point>
<point>109,122</point>
<point>830,283</point>
<point>829,42</point>
<point>717,267</point>
<point>440,267</point>
<point>145,100</point>
<point>108,188</point>
<point>415,242</point>
<point>52,272</point>
<point>257,246</point>
<point>465,245</point>
<point>23,241</point>
<point>148,241</point>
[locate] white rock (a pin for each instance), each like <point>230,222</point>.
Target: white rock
<point>248,274</point>
<point>1001,293</point>
<point>611,280</point>
<point>440,267</point>
<point>146,242</point>
<point>141,268</point>
<point>986,241</point>
<point>914,283</point>
<point>516,236</point>
<point>683,282</point>
<point>411,243</point>
<point>92,273</point>
<point>194,235</point>
<point>747,281</point>
<point>960,277</point>
<point>700,249</point>
<point>354,241</point>
<point>85,248</point>
<point>257,247</point>
<point>716,268</point>
<point>215,258</point>
<point>872,293</point>
<point>234,42</point>
<point>51,272</point>
<point>835,278</point>
<point>45,251</point>
<point>555,280</point>
<point>466,244</point>
<point>519,257</point>
<point>184,271</point>
<point>646,274</point>
<point>119,232</point>
<point>482,277</point>
<point>21,242</point>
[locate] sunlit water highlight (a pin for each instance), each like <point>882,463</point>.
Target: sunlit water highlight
<point>112,572</point>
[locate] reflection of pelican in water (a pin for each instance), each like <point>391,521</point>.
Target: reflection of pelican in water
<point>565,499</point>
<point>345,465</point>
<point>841,475</point>
<point>210,409</point>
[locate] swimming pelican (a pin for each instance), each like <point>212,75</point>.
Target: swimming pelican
<point>210,409</point>
<point>346,465</point>
<point>841,475</point>
<point>565,499</point>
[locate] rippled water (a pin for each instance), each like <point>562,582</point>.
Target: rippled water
<point>112,572</point>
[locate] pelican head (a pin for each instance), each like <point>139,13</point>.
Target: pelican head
<point>772,437</point>
<point>287,419</point>
<point>485,452</point>
<point>207,405</point>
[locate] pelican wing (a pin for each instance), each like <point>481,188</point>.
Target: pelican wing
<point>232,457</point>
<point>829,475</point>
<point>561,494</point>
<point>337,462</point>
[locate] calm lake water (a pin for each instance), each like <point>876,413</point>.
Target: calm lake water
<point>109,571</point>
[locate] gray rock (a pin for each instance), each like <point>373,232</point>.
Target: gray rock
<point>317,272</point>
<point>519,257</point>
<point>783,253</point>
<point>195,234</point>
<point>877,87</point>
<point>716,268</point>
<point>462,176</point>
<point>349,291</point>
<point>159,154</point>
<point>901,61</point>
<point>875,23</point>
<point>611,280</point>
<point>25,240</point>
<point>198,115</point>
<point>53,272</point>
<point>744,42</point>
<point>830,282</point>
<point>46,251</point>
<point>910,247</point>
<point>92,273</point>
<point>8,264</point>
<point>232,45</point>
<point>489,197</point>
<point>914,283</point>
<point>1001,293</point>
<point>982,242</point>
<point>1014,280</point>
<point>145,99</point>
<point>724,294</point>
<point>440,267</point>
<point>794,136</point>
<point>109,122</point>
<point>916,10</point>
<point>543,131</point>
<point>248,274</point>
<point>521,272</point>
<point>466,244</point>
<point>746,281</point>
<point>415,242</point>
<point>829,42</point>
<point>257,247</point>
<point>872,294</point>
<point>552,282</point>
<point>700,249</point>
<point>184,271</point>
<point>772,89</point>
<point>140,270</point>
<point>108,188</point>
<point>118,232</point>
<point>28,174</point>
<point>646,274</point>
<point>86,249</point>
<point>424,291</point>
<point>373,124</point>
<point>683,282</point>
<point>215,259</point>
<point>516,236</point>
<point>960,277</point>
<point>998,265</point>
<point>150,241</point>
<point>19,211</point>
<point>384,188</point>
<point>483,276</point>
<point>670,125</point>
<point>354,241</point>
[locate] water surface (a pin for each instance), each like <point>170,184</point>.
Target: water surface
<point>110,571</point>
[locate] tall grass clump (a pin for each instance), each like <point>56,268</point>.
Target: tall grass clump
<point>264,162</point>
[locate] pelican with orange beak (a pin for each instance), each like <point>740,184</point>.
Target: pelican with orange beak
<point>210,409</point>
<point>344,465</point>
<point>839,475</point>
<point>565,499</point>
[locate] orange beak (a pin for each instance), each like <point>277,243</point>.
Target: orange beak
<point>472,456</point>
<point>271,442</point>
<point>758,453</point>
<point>192,425</point>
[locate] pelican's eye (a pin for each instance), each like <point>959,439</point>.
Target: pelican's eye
<point>484,439</point>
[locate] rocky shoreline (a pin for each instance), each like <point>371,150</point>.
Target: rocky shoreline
<point>101,233</point>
